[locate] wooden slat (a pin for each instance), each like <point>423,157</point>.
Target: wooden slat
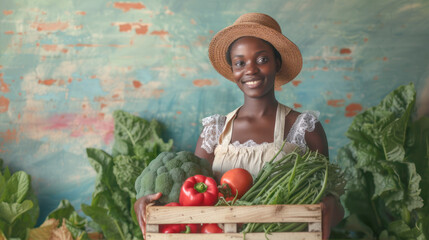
<point>315,227</point>
<point>234,214</point>
<point>152,228</point>
<point>230,227</point>
<point>235,236</point>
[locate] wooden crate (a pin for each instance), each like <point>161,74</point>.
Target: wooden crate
<point>230,216</point>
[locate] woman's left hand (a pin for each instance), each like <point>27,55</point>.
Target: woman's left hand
<point>332,214</point>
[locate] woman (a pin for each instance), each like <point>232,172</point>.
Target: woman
<point>257,57</point>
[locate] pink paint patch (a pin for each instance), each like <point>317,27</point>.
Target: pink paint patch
<point>296,82</point>
<point>3,86</point>
<point>9,32</point>
<point>297,105</point>
<point>161,33</point>
<point>137,84</point>
<point>81,13</point>
<point>349,95</point>
<point>50,47</point>
<point>47,82</point>
<point>336,102</point>
<point>353,109</point>
<point>10,136</point>
<point>81,125</point>
<point>141,29</point>
<point>345,51</point>
<point>7,12</point>
<point>126,27</point>
<point>127,6</point>
<point>4,104</point>
<point>202,82</point>
<point>50,27</point>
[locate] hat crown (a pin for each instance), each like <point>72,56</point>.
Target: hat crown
<point>259,18</point>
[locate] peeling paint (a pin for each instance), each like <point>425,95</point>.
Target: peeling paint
<point>47,82</point>
<point>345,51</point>
<point>353,109</point>
<point>296,82</point>
<point>7,12</point>
<point>9,136</point>
<point>137,84</point>
<point>50,26</point>
<point>127,6</point>
<point>4,104</point>
<point>3,86</point>
<point>336,102</point>
<point>160,33</point>
<point>297,105</point>
<point>203,82</point>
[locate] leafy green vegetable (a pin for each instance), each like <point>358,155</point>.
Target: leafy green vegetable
<point>74,223</point>
<point>387,163</point>
<point>19,207</point>
<point>167,172</point>
<point>136,143</point>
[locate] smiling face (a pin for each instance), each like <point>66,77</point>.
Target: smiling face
<point>254,66</point>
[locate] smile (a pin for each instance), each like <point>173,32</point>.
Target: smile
<point>253,84</point>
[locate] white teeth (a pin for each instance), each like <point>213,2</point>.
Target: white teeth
<point>252,82</point>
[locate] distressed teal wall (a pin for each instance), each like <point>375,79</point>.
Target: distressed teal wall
<point>65,66</point>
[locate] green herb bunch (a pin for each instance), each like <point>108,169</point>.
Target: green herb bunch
<point>295,178</point>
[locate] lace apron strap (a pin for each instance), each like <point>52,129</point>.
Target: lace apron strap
<point>279,128</point>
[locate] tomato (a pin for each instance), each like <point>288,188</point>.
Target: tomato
<point>239,180</point>
<point>211,228</point>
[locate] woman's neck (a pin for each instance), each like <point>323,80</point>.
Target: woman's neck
<point>258,107</point>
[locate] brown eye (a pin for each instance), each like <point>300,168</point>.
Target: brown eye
<point>262,60</point>
<point>239,64</point>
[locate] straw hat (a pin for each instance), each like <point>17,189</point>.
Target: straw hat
<point>261,26</point>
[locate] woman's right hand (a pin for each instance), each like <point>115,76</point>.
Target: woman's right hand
<point>140,209</point>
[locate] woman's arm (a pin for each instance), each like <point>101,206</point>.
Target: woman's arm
<point>202,153</point>
<point>316,140</point>
<point>332,210</point>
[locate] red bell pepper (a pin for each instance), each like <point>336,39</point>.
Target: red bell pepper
<point>198,190</point>
<point>178,228</point>
<point>211,228</point>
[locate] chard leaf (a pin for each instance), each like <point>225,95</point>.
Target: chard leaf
<point>423,225</point>
<point>102,162</point>
<point>388,162</point>
<point>402,231</point>
<point>418,153</point>
<point>9,212</point>
<point>368,126</point>
<point>64,210</point>
<point>137,136</point>
<point>2,184</point>
<point>17,188</point>
<point>126,170</point>
<point>111,227</point>
<point>393,136</point>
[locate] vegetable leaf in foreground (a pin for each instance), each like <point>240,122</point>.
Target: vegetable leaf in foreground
<point>386,160</point>
<point>137,142</point>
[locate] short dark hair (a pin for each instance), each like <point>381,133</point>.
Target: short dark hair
<point>228,52</point>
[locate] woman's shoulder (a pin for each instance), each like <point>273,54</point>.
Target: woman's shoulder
<point>213,120</point>
<point>293,117</point>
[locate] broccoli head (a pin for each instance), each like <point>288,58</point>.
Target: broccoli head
<point>167,172</point>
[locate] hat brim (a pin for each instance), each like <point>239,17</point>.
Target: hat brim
<point>291,56</point>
